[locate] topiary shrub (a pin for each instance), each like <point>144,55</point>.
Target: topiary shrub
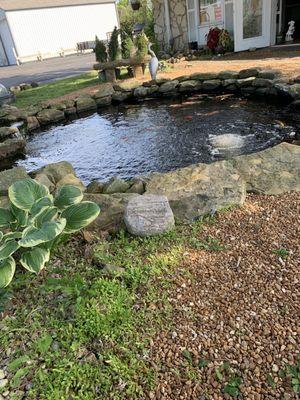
<point>35,222</point>
<point>100,50</point>
<point>113,46</point>
<point>141,43</point>
<point>128,48</point>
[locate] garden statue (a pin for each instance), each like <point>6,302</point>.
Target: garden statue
<point>153,64</point>
<point>290,32</point>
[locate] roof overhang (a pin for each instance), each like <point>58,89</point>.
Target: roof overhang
<point>16,5</point>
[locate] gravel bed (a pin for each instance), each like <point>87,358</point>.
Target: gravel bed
<point>237,305</point>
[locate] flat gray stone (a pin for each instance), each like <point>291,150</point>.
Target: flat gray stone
<point>116,185</point>
<point>50,116</point>
<point>85,104</point>
<point>149,215</point>
<point>249,72</point>
<point>10,176</point>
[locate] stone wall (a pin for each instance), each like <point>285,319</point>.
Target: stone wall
<point>178,22</point>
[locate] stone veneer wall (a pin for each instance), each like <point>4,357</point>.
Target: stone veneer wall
<point>178,22</point>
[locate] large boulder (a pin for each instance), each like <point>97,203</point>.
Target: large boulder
<point>249,72</point>
<point>149,215</point>
<point>10,176</point>
<point>85,104</point>
<point>50,116</point>
<point>169,87</point>
<point>32,124</point>
<point>269,74</point>
<point>56,171</point>
<point>272,171</point>
<point>262,83</point>
<point>197,190</point>
<point>12,147</point>
<point>190,86</point>
<point>228,75</point>
<point>106,89</point>
<point>212,84</point>
<point>141,92</point>
<point>111,217</point>
<point>116,185</point>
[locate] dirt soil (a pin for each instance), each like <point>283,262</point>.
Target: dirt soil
<point>240,304</point>
<point>288,62</point>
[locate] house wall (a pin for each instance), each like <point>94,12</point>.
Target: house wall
<point>178,23</point>
<point>49,30</point>
<point>7,42</point>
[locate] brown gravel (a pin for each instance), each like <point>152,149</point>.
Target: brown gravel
<point>239,305</point>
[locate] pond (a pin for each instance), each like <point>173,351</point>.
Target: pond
<point>136,139</point>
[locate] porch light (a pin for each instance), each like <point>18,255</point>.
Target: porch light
<point>135,4</point>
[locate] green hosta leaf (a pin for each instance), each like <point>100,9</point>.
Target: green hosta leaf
<point>80,215</point>
<point>24,193</point>
<point>46,214</point>
<point>40,204</point>
<point>12,236</point>
<point>1,235</point>
<point>48,231</point>
<point>67,196</point>
<point>7,271</point>
<point>8,248</point>
<point>35,260</point>
<point>6,218</point>
<point>21,216</point>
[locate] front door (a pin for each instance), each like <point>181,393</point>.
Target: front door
<point>252,24</point>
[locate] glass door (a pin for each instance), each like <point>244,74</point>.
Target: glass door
<point>252,24</point>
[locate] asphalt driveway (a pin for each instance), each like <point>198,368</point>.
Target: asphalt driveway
<point>48,70</point>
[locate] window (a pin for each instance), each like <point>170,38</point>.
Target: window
<point>211,12</point>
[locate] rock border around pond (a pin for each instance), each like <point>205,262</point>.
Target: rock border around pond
<point>191,192</point>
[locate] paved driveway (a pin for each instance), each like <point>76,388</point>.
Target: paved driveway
<point>48,70</point>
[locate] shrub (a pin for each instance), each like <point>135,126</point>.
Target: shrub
<point>141,43</point>
<point>128,49</point>
<point>35,222</point>
<point>113,46</point>
<point>100,51</point>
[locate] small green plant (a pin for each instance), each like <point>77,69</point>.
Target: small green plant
<point>100,50</point>
<point>232,387</point>
<point>35,222</point>
<point>141,43</point>
<point>114,51</point>
<point>293,373</point>
<point>128,49</point>
<point>283,253</point>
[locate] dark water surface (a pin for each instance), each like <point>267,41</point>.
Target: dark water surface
<point>159,136</point>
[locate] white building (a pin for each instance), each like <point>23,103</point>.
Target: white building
<point>33,29</point>
<point>251,23</point>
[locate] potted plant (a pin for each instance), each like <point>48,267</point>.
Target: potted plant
<point>135,4</point>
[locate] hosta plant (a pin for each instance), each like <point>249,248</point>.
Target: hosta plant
<point>35,221</point>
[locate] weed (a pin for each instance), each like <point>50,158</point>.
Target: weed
<point>283,253</point>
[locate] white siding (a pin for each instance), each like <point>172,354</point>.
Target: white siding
<point>6,39</point>
<point>51,29</point>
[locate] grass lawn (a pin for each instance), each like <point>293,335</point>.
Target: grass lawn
<point>55,89</point>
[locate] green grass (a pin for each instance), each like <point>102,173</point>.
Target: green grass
<point>55,89</point>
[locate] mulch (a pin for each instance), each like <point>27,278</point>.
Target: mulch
<point>237,304</point>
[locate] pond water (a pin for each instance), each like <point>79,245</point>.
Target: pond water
<point>133,140</point>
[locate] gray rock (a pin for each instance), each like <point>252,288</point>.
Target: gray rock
<point>32,123</point>
<point>272,171</point>
<point>70,179</point>
<point>204,76</point>
<point>245,82</point>
<point>269,74</point>
<point>119,96</point>
<point>106,90</point>
<point>212,84</point>
<point>2,374</point>
<point>128,87</point>
<point>297,79</point>
<point>25,86</point>
<point>291,91</point>
<point>3,383</point>
<point>161,81</point>
<point>229,82</point>
<point>15,89</point>
<point>116,185</point>
<point>248,90</point>
<point>168,87</point>
<point>138,186</point>
<point>141,92</point>
<point>95,187</point>
<point>111,217</point>
<point>50,116</point>
<point>12,147</point>
<point>10,176</point>
<point>190,86</point>
<point>196,190</point>
<point>249,72</point>
<point>103,101</point>
<point>85,104</point>
<point>149,215</point>
<point>56,171</point>
<point>262,83</point>
<point>225,75</point>
<point>44,180</point>
<point>70,112</point>
<point>7,132</point>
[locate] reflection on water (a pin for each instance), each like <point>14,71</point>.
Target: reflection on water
<point>137,139</point>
